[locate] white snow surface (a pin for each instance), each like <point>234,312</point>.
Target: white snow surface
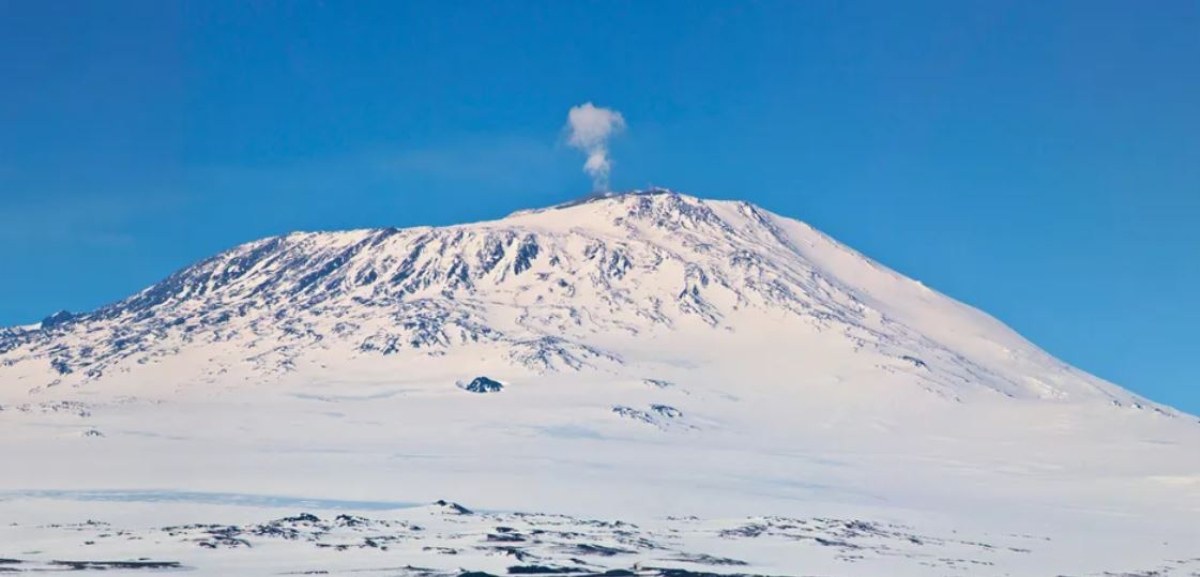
<point>690,367</point>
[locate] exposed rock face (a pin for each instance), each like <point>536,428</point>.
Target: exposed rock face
<point>483,385</point>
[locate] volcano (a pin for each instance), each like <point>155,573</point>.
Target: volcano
<point>662,356</point>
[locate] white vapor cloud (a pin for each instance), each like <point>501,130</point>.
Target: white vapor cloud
<point>589,127</point>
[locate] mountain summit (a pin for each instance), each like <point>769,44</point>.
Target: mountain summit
<point>616,283</point>
<point>758,391</point>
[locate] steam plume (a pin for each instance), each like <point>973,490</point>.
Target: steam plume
<point>589,128</point>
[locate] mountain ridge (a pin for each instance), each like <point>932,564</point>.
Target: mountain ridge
<point>548,288</point>
<point>655,359</point>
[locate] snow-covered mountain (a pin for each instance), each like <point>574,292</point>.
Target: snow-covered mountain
<point>683,387</point>
<point>575,287</point>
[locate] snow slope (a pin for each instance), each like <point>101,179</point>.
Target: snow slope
<point>658,355</point>
<point>550,290</point>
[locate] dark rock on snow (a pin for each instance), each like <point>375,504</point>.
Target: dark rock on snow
<point>483,385</point>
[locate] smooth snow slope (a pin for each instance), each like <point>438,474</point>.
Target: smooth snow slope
<point>659,354</point>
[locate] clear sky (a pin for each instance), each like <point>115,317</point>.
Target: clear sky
<point>1039,160</point>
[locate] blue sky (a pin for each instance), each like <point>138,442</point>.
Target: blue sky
<point>1038,160</point>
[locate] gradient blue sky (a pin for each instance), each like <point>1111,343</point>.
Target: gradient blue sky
<point>1038,160</point>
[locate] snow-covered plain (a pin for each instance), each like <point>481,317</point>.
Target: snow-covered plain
<point>675,383</point>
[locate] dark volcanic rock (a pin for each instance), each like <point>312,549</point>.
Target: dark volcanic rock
<point>539,570</point>
<point>483,385</point>
<point>106,565</point>
<point>452,507</point>
<point>56,319</point>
